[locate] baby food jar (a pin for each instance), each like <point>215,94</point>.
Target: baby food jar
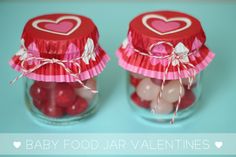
<point>60,58</point>
<point>164,55</point>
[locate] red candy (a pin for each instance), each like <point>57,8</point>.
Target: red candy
<point>192,86</point>
<point>134,81</point>
<point>51,110</point>
<point>78,107</point>
<point>38,92</point>
<point>38,103</point>
<point>187,100</point>
<point>47,85</point>
<point>64,95</point>
<point>136,99</point>
<point>57,99</point>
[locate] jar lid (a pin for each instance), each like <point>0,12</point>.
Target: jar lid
<point>60,48</point>
<point>165,44</point>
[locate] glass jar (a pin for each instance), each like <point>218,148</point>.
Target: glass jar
<point>60,57</point>
<point>144,91</point>
<point>60,102</point>
<point>165,54</point>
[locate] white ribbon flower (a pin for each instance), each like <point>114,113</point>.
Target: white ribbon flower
<point>22,52</point>
<point>125,43</point>
<point>181,54</point>
<point>89,52</point>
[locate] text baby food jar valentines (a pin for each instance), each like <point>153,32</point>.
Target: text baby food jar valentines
<point>60,57</point>
<point>164,53</point>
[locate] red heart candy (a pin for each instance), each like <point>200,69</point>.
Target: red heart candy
<point>141,103</point>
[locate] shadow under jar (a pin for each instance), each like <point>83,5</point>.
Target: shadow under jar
<point>164,54</point>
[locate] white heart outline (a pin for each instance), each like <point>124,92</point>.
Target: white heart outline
<point>77,19</point>
<point>186,20</point>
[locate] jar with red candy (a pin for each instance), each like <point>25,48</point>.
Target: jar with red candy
<point>60,58</point>
<point>164,54</point>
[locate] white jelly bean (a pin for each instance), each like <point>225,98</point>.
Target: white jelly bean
<point>147,90</point>
<point>171,91</point>
<point>86,93</point>
<point>164,107</point>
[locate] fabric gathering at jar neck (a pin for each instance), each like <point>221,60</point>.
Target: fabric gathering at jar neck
<point>40,62</point>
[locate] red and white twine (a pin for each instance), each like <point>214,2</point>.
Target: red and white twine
<point>46,61</point>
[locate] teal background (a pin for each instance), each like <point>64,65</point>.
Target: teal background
<point>218,101</point>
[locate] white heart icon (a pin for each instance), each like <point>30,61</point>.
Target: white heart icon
<point>218,144</point>
<point>17,144</point>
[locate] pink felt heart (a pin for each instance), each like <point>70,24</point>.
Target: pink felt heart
<point>62,27</point>
<point>164,26</point>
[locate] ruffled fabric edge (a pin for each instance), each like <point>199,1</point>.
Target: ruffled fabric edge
<point>55,73</point>
<point>137,63</point>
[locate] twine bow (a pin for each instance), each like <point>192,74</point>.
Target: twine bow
<point>178,57</point>
<point>44,61</point>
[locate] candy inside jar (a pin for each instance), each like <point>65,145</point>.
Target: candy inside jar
<point>61,100</point>
<point>146,100</point>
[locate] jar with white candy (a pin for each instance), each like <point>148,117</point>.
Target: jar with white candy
<point>144,93</point>
<point>61,59</point>
<point>164,55</point>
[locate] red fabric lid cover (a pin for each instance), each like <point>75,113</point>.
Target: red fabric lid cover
<point>62,37</point>
<point>157,38</point>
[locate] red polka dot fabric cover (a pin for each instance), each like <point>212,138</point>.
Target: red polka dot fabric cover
<point>55,42</point>
<point>165,44</point>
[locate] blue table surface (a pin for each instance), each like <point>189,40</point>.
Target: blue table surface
<point>218,101</point>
